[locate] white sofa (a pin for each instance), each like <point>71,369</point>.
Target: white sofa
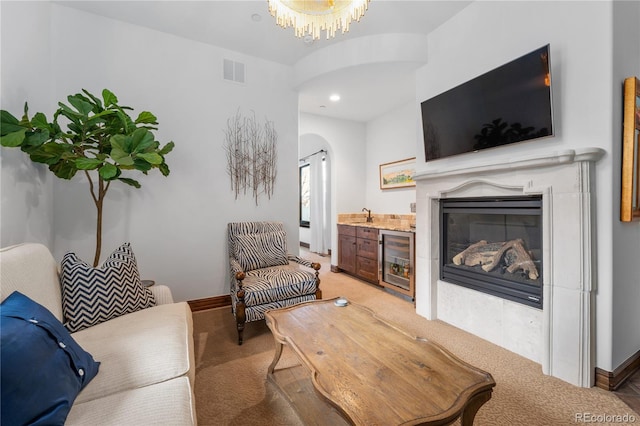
<point>147,365</point>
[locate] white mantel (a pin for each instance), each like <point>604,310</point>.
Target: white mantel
<point>560,336</point>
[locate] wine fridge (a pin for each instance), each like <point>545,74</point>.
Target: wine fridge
<point>397,261</point>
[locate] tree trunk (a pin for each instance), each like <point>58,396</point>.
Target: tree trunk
<point>99,201</point>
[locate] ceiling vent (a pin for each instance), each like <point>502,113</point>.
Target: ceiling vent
<point>233,71</point>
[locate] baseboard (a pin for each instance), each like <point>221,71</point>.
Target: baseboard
<point>612,380</point>
<point>305,245</point>
<point>209,303</point>
<point>334,268</point>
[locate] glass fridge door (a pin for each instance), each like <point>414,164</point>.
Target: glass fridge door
<point>396,260</point>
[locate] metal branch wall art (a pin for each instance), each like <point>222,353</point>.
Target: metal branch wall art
<point>251,155</point>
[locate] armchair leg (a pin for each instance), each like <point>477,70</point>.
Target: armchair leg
<point>316,267</point>
<point>240,320</point>
<point>241,316</point>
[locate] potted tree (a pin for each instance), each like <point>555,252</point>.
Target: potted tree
<point>101,140</point>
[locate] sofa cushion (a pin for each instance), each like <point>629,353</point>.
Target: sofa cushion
<point>255,251</point>
<point>43,368</point>
<point>31,269</point>
<point>167,403</point>
<point>94,295</point>
<point>139,349</point>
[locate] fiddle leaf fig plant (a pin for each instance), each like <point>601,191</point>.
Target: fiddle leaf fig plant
<point>101,140</point>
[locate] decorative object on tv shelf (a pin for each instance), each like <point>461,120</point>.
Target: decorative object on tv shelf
<point>398,174</point>
<point>630,185</point>
<point>251,155</point>
<point>101,140</point>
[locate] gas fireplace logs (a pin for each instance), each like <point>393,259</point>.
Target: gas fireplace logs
<point>491,255</point>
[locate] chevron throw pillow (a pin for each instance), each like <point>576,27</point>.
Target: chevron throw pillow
<point>94,295</point>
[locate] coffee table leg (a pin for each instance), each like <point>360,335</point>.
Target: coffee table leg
<point>472,407</point>
<point>276,357</point>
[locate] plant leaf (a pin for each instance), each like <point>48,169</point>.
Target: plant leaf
<point>108,171</point>
<point>13,139</point>
<point>80,104</point>
<point>147,118</point>
<point>109,98</point>
<point>151,157</point>
<point>164,169</point>
<point>142,165</point>
<point>64,169</point>
<point>36,138</point>
<point>39,121</point>
<point>84,163</point>
<point>131,182</point>
<point>167,148</point>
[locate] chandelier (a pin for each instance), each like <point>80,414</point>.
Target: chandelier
<point>312,16</point>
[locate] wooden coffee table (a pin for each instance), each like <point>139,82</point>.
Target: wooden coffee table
<point>369,370</point>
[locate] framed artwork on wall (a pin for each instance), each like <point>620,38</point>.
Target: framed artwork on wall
<point>398,174</point>
<point>630,185</point>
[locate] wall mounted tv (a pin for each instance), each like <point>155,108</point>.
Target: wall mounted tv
<point>509,104</point>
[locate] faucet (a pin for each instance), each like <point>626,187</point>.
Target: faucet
<point>369,218</point>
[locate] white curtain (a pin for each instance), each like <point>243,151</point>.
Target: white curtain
<point>318,206</point>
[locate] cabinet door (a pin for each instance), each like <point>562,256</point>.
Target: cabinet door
<point>347,253</point>
<point>368,248</point>
<point>367,269</point>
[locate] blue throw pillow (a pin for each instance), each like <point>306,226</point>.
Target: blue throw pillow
<point>43,368</point>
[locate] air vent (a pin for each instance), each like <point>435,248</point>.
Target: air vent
<point>233,71</point>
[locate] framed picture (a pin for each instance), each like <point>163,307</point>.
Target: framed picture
<point>630,182</point>
<point>398,174</point>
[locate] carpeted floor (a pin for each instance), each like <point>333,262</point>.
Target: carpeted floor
<point>231,386</point>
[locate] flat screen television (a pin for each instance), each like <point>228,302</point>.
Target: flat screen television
<point>509,104</point>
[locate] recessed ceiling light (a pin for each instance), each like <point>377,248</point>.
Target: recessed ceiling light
<point>323,106</point>
<point>256,17</point>
<point>334,98</point>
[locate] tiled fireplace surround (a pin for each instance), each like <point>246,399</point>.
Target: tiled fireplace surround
<point>560,337</point>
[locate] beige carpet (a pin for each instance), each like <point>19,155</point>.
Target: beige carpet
<point>231,386</point>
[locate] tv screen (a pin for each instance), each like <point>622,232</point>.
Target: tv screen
<point>509,104</point>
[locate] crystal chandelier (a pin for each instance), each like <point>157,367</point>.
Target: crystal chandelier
<point>312,16</point>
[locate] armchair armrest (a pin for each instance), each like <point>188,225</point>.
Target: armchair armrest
<point>235,265</point>
<point>303,261</point>
<point>162,293</point>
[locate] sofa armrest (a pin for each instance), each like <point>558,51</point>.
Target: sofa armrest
<point>162,293</point>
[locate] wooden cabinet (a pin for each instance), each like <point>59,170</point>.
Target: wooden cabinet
<point>358,251</point>
<point>347,248</point>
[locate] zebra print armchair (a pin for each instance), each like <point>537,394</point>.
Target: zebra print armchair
<point>263,275</point>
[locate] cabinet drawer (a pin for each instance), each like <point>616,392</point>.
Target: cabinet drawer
<point>368,233</point>
<point>368,248</point>
<point>347,230</point>
<point>367,269</point>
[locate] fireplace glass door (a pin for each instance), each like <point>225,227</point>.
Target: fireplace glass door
<point>493,245</point>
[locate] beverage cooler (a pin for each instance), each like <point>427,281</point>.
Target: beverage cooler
<point>397,261</point>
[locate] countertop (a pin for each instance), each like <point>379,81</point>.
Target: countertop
<point>391,222</point>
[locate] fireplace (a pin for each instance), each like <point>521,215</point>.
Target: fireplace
<point>493,245</point>
<point>561,189</point>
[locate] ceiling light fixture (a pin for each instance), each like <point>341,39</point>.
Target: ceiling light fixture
<point>334,98</point>
<point>312,16</point>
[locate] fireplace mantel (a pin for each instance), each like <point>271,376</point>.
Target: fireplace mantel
<point>527,162</point>
<point>560,336</point>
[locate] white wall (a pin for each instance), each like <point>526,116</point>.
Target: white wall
<point>626,236</point>
<point>347,149</point>
<point>26,214</point>
<point>177,224</point>
<point>391,137</point>
<point>488,34</point>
